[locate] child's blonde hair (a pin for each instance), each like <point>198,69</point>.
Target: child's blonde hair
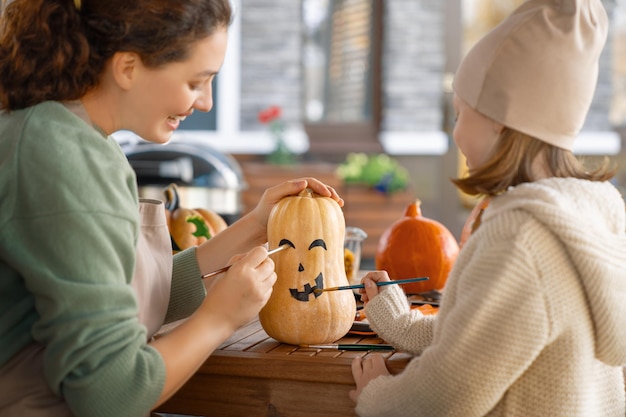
<point>512,159</point>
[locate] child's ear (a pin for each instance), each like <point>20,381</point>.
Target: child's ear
<point>497,127</point>
<point>124,66</point>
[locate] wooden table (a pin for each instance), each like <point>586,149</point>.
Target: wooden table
<point>254,375</point>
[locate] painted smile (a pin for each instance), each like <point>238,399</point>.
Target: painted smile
<point>308,290</point>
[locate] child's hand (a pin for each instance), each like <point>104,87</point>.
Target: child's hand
<point>239,294</point>
<point>371,290</point>
<point>364,370</point>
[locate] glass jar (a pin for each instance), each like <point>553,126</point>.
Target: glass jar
<point>353,245</point>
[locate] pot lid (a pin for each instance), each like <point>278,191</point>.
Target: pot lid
<point>188,164</point>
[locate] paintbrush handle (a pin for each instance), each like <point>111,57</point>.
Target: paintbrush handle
<point>227,267</point>
<point>216,272</point>
<point>378,284</point>
<point>354,347</point>
<point>362,347</point>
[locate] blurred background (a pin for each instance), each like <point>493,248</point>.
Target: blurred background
<point>357,93</point>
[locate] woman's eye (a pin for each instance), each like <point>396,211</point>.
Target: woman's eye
<point>201,85</point>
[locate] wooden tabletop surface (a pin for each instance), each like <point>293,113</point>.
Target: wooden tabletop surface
<point>252,374</point>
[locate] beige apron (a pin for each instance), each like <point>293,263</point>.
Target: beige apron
<point>23,390</point>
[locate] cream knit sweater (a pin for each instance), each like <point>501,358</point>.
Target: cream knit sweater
<point>533,318</point>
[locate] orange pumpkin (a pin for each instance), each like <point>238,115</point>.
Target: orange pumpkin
<point>314,228</point>
<point>189,227</point>
<point>416,246</point>
<point>473,220</point>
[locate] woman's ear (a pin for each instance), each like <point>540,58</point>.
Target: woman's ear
<point>124,66</point>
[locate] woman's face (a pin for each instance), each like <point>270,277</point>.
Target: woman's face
<point>161,98</point>
<point>474,133</point>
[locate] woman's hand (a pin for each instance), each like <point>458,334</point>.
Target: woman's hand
<point>238,295</point>
<point>371,290</point>
<point>364,370</point>
<point>234,299</point>
<point>273,195</point>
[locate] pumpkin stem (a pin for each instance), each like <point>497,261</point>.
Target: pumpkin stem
<point>172,199</point>
<point>307,192</point>
<point>414,209</point>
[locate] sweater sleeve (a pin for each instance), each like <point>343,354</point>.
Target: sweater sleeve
<point>392,319</point>
<point>486,336</point>
<point>188,290</point>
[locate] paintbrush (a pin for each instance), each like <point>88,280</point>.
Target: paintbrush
<point>227,267</point>
<point>355,346</point>
<point>378,284</point>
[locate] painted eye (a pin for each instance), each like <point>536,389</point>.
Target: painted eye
<point>318,242</point>
<point>286,242</point>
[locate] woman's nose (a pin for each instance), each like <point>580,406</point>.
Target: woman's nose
<point>205,101</point>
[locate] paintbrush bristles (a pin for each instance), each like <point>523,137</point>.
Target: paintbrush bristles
<point>319,291</point>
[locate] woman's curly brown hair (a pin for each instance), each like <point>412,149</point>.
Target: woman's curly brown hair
<point>50,50</point>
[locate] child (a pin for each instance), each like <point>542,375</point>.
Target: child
<point>533,317</point>
<point>86,269</point>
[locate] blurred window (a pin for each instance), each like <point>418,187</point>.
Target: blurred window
<point>341,65</point>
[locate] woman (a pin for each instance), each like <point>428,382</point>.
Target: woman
<point>87,271</point>
<point>532,318</point>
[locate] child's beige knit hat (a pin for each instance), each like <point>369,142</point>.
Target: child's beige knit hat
<point>536,72</point>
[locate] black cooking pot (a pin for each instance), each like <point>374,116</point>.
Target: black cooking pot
<point>206,178</point>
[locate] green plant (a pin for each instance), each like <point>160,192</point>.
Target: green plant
<point>378,171</point>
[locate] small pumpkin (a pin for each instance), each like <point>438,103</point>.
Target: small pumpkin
<point>473,220</point>
<point>416,246</point>
<point>349,263</point>
<point>314,228</point>
<point>189,227</point>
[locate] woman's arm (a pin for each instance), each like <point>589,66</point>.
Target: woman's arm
<point>234,299</point>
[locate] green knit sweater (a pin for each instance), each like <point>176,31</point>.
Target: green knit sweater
<point>69,224</point>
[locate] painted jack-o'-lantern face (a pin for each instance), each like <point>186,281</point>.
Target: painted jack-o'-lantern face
<point>303,295</point>
<point>314,228</point>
